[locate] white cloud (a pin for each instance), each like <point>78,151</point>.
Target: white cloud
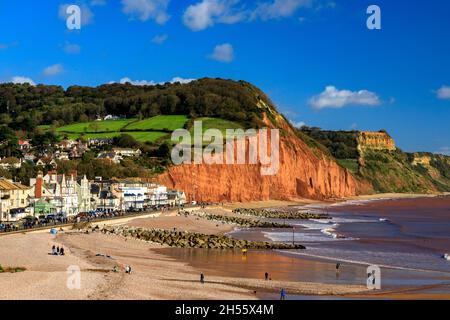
<point>206,13</point>
<point>53,70</point>
<point>181,80</point>
<point>223,53</point>
<point>297,124</point>
<point>334,98</point>
<point>87,17</point>
<point>160,39</point>
<point>444,93</point>
<point>137,82</point>
<point>151,82</point>
<point>147,9</point>
<point>20,80</point>
<point>279,9</point>
<point>71,48</point>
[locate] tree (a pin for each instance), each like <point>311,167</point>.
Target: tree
<point>126,141</point>
<point>9,144</point>
<point>163,151</point>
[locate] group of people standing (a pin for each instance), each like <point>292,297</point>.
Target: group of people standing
<point>57,251</point>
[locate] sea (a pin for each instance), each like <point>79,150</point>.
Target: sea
<point>406,238</point>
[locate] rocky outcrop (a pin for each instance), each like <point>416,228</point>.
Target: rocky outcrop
<point>192,240</point>
<point>368,140</point>
<point>281,214</point>
<point>243,222</point>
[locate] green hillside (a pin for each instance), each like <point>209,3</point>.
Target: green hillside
<point>95,126</point>
<point>158,123</point>
<point>387,171</point>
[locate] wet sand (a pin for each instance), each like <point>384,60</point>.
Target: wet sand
<point>154,276</point>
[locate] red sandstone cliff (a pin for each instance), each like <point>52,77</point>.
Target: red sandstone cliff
<point>303,173</point>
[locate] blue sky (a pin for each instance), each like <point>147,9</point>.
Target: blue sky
<point>316,59</point>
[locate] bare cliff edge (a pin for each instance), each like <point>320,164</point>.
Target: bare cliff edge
<point>303,173</point>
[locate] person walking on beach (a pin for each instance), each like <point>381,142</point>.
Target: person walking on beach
<point>283,295</point>
<point>128,269</point>
<point>202,278</point>
<point>61,251</point>
<point>266,275</point>
<point>338,266</point>
<point>57,251</point>
<point>54,250</point>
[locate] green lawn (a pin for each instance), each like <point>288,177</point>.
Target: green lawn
<point>96,126</point>
<point>140,136</point>
<point>166,123</point>
<point>215,123</point>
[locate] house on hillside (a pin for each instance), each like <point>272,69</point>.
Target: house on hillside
<point>110,156</point>
<point>61,156</point>
<point>10,163</point>
<point>78,150</point>
<point>127,152</point>
<point>24,145</point>
<point>29,157</point>
<point>65,144</point>
<point>98,142</point>
<point>46,161</point>
<point>112,117</point>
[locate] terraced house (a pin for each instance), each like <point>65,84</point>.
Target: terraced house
<point>14,200</point>
<point>66,194</point>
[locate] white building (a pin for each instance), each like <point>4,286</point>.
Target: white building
<point>65,193</point>
<point>157,195</point>
<point>127,152</point>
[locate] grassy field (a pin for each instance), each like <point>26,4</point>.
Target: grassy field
<point>140,136</point>
<point>165,123</point>
<point>215,123</point>
<point>147,130</point>
<point>96,126</point>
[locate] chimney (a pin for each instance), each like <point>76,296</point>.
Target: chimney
<point>38,185</point>
<point>73,174</point>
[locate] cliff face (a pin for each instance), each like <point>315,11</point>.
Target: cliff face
<point>303,173</point>
<point>375,141</point>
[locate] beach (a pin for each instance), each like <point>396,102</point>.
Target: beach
<point>161,272</point>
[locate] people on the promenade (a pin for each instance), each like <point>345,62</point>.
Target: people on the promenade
<point>61,251</point>
<point>202,278</point>
<point>283,294</point>
<point>266,276</point>
<point>57,251</point>
<point>54,250</point>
